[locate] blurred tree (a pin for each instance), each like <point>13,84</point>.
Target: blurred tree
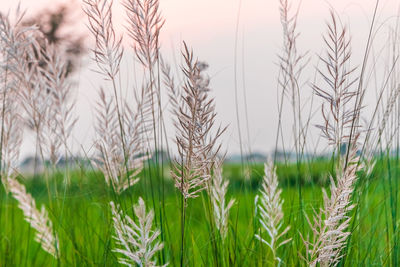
<point>59,27</point>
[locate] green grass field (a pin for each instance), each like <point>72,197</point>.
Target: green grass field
<point>81,217</point>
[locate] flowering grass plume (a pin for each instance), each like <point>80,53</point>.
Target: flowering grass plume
<point>108,51</point>
<point>22,65</point>
<point>120,166</point>
<point>61,119</point>
<point>136,240</point>
<point>219,188</point>
<point>291,66</point>
<point>39,220</point>
<point>144,26</point>
<point>194,119</point>
<point>119,127</point>
<point>269,206</point>
<point>11,124</point>
<point>330,225</point>
<point>341,118</point>
<point>337,93</point>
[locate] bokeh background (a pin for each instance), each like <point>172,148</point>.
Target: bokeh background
<point>241,41</point>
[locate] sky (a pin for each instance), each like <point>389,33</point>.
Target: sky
<point>213,28</point>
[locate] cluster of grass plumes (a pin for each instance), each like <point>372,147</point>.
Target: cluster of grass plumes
<point>330,226</point>
<point>29,87</point>
<point>119,129</point>
<point>194,209</point>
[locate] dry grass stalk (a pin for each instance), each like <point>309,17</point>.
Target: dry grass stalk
<point>383,126</point>
<point>20,77</point>
<point>330,225</point>
<point>119,128</point>
<point>145,23</point>
<point>42,87</point>
<point>39,220</point>
<point>291,65</point>
<point>371,141</point>
<point>17,41</point>
<point>36,102</point>
<point>269,205</point>
<point>108,51</point>
<point>11,137</point>
<point>195,117</point>
<point>194,113</point>
<point>11,122</point>
<point>338,91</point>
<point>290,59</point>
<point>22,55</point>
<point>61,120</point>
<point>120,166</point>
<point>219,188</point>
<point>145,101</point>
<point>169,82</point>
<point>137,240</point>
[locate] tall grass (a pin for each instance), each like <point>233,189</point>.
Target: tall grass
<point>192,209</point>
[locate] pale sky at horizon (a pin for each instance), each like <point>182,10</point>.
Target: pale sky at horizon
<point>209,27</point>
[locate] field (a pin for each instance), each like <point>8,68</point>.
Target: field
<point>143,195</point>
<point>83,222</point>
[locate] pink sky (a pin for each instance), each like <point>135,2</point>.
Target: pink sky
<point>209,27</point>
<point>216,15</point>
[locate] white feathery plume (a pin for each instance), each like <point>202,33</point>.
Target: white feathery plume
<point>120,166</point>
<point>330,225</point>
<point>11,123</point>
<point>194,120</point>
<point>39,220</point>
<point>219,188</point>
<point>144,23</point>
<point>341,126</point>
<point>337,92</point>
<point>108,51</point>
<point>269,206</point>
<point>61,119</point>
<point>119,128</point>
<point>21,54</point>
<point>137,240</point>
<point>144,26</point>
<point>18,42</point>
<point>11,139</point>
<point>19,74</point>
